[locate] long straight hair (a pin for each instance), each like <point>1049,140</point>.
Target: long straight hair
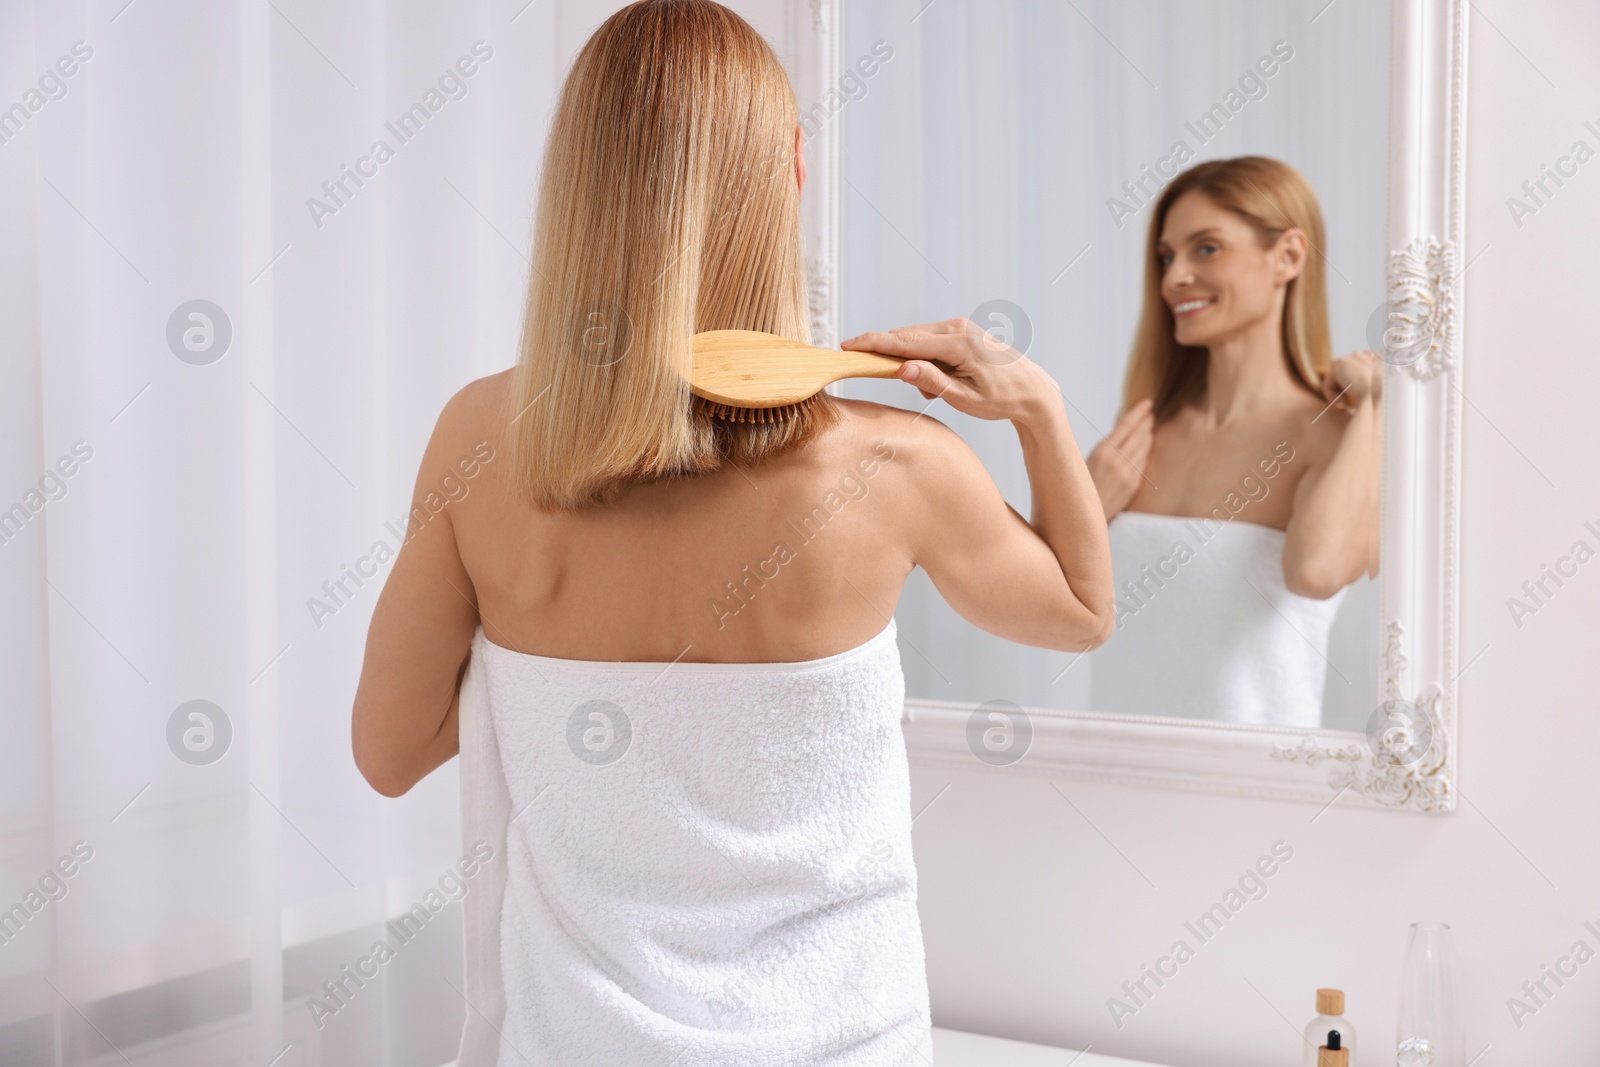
<point>1272,197</point>
<point>668,206</point>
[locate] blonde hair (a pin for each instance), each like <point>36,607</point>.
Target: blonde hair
<point>668,206</point>
<point>1272,197</point>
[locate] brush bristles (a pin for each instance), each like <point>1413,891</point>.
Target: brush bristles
<point>731,413</point>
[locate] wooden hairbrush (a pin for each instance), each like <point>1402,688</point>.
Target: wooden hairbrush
<point>749,376</point>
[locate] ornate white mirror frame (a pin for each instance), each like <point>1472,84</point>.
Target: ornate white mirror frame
<point>808,36</point>
<point>1412,765</point>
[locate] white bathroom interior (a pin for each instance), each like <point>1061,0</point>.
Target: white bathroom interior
<point>1416,836</point>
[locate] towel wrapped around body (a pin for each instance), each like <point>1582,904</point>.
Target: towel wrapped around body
<point>696,864</point>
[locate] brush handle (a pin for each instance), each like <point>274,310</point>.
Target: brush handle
<point>744,368</point>
<point>863,365</point>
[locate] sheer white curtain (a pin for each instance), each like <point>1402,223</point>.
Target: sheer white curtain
<point>979,166</point>
<point>228,319</point>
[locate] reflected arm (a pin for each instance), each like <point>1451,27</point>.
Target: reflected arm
<point>1332,538</point>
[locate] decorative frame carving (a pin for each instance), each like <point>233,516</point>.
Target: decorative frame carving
<point>1421,284</point>
<point>1412,764</point>
<point>1393,767</point>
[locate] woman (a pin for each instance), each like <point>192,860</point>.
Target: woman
<point>1241,481</point>
<point>681,629</point>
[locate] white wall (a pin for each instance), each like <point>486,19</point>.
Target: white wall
<point>1035,910</point>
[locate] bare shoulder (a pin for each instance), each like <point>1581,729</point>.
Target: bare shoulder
<point>473,426</point>
<point>478,409</point>
<point>1319,428</point>
<point>919,440</point>
<point>940,473</point>
<point>478,403</point>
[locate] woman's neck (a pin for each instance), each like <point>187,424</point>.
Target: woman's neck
<point>1247,375</point>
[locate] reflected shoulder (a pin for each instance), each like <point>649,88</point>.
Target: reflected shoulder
<point>1322,428</point>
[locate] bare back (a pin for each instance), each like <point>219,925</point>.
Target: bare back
<point>798,559</point>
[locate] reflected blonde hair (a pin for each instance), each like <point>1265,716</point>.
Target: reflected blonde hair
<point>667,206</point>
<point>1272,197</point>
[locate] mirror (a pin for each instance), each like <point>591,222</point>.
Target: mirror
<point>1006,162</point>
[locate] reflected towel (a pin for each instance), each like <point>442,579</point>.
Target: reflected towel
<point>1206,627</point>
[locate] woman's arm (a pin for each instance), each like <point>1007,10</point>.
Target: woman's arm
<point>1045,583</point>
<point>404,721</point>
<point>1332,537</point>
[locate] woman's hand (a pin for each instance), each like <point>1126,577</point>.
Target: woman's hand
<point>1354,378</point>
<point>1117,463</point>
<point>970,369</point>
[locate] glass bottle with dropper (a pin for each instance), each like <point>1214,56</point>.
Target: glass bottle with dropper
<point>1333,1054</point>
<point>1330,1016</point>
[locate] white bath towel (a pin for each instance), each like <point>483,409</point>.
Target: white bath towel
<point>1206,627</point>
<point>703,864</point>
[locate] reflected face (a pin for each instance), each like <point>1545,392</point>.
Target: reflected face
<point>1217,277</point>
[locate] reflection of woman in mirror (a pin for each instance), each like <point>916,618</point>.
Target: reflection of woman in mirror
<point>1241,481</point>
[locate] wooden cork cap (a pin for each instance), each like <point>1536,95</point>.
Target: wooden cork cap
<point>1330,1002</point>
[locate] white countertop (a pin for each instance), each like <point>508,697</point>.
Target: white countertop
<point>955,1048</point>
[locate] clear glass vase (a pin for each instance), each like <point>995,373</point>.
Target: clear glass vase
<point>1428,1033</point>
